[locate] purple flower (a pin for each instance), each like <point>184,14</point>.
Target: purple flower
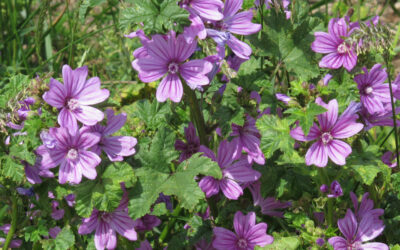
<point>71,153</point>
<point>234,63</point>
<point>378,119</point>
<point>204,245</point>
<point>247,234</point>
<point>141,51</point>
<point>284,98</point>
<point>247,137</point>
<point>374,94</point>
<point>323,188</point>
<point>236,23</point>
<point>356,233</point>
<point>25,191</point>
<point>54,231</point>
<point>70,199</point>
<point>331,127</point>
<point>145,245</point>
<point>116,147</point>
<point>268,205</point>
<point>14,243</point>
<point>234,172</point>
<point>107,223</point>
<point>207,9</point>
<point>191,147</point>
<point>74,97</point>
<point>335,190</point>
<point>327,79</point>
<point>389,158</point>
<point>340,53</point>
<point>166,199</point>
<point>146,223</point>
<point>166,57</point>
<point>196,28</point>
<point>366,205</point>
<point>320,242</point>
<point>25,108</point>
<point>56,214</point>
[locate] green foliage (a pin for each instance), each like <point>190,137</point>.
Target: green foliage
<point>64,240</point>
<point>274,135</point>
<point>289,43</point>
<point>305,116</point>
<point>157,16</point>
<point>13,87</point>
<point>105,192</point>
<point>11,169</point>
<point>36,232</point>
<point>366,164</point>
<point>229,111</point>
<point>153,180</point>
<point>151,113</point>
<point>287,243</point>
<point>83,8</point>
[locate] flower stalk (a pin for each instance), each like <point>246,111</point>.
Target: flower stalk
<point>14,217</point>
<point>196,114</point>
<point>387,59</point>
<point>325,180</point>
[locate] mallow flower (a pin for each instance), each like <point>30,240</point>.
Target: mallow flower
<point>247,234</point>
<point>236,23</point>
<point>330,129</point>
<point>389,158</point>
<point>191,146</point>
<point>235,171</point>
<point>374,93</point>
<point>247,138</point>
<point>166,58</point>
<point>107,224</point>
<point>71,153</point>
<point>74,97</point>
<point>269,205</point>
<point>116,147</point>
<point>339,52</point>
<point>335,190</point>
<point>356,233</point>
<point>366,206</point>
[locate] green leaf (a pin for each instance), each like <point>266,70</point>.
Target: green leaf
<point>104,193</point>
<point>275,135</point>
<point>366,173</point>
<point>21,151</point>
<point>15,84</point>
<point>306,116</point>
<point>85,5</point>
<point>155,17</point>
<point>289,43</point>
<point>287,243</point>
<point>366,164</point>
<point>153,181</point>
<point>65,240</point>
<point>152,114</point>
<point>160,153</point>
<point>12,170</point>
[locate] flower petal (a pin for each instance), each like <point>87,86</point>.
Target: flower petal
<point>195,72</point>
<point>317,154</point>
<point>88,115</point>
<point>338,151</point>
<point>170,87</point>
<point>224,239</point>
<point>56,96</point>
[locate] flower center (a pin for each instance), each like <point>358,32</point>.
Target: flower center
<point>368,90</point>
<point>242,243</point>
<point>326,137</point>
<point>105,217</point>
<point>343,48</point>
<point>173,68</point>
<point>72,104</point>
<point>72,154</point>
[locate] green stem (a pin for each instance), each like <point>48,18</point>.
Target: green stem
<point>170,223</point>
<point>325,180</point>
<point>393,109</point>
<point>14,210</point>
<point>196,114</point>
<point>387,137</point>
